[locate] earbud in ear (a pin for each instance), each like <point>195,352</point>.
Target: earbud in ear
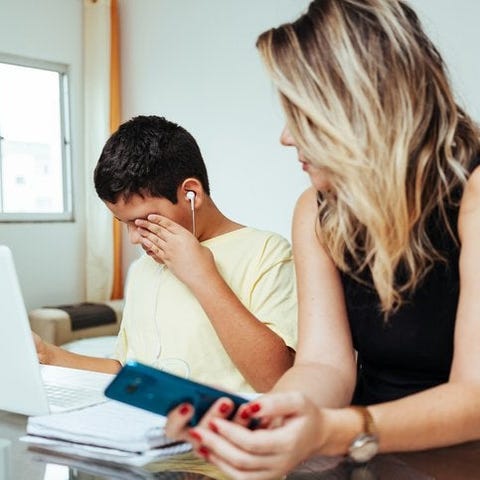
<point>190,195</point>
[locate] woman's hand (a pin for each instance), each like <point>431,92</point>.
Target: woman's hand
<point>171,244</point>
<point>177,427</point>
<point>291,431</point>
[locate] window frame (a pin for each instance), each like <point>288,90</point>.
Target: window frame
<point>65,141</point>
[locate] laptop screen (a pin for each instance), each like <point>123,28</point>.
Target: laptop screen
<point>20,379</point>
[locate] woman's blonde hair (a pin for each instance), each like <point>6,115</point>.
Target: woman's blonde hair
<point>368,101</point>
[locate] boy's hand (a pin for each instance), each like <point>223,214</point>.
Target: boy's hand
<point>43,350</point>
<point>176,247</point>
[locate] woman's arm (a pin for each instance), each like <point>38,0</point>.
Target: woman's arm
<point>324,367</point>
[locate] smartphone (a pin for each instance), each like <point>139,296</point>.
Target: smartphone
<point>159,391</point>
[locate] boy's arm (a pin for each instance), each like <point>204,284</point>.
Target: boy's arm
<point>49,354</point>
<point>258,352</point>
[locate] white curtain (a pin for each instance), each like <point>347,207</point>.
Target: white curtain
<point>99,234</point>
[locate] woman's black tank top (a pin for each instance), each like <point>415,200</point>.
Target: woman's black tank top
<point>412,350</point>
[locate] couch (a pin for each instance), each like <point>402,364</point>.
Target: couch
<point>55,325</point>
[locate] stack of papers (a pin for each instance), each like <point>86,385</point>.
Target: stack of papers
<point>110,431</point>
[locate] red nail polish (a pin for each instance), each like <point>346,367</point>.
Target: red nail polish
<point>254,407</point>
<point>203,451</point>
<point>184,409</point>
<point>245,414</point>
<point>195,435</point>
<point>224,407</point>
<point>213,427</point>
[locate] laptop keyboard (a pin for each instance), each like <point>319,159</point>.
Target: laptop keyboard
<point>65,397</point>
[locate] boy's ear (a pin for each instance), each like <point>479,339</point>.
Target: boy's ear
<point>190,185</point>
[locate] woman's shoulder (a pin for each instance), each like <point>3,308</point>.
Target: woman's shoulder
<point>469,216</point>
<point>305,223</point>
<point>471,194</point>
<point>307,201</point>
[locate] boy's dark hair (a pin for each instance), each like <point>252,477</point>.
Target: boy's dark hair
<point>148,155</point>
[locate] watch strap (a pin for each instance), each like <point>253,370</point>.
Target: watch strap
<point>365,445</point>
<point>368,423</point>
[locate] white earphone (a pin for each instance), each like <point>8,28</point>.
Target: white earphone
<point>190,195</point>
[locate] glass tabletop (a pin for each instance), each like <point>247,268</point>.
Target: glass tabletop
<point>19,461</point>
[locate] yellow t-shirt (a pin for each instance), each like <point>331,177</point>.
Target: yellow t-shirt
<point>164,325</point>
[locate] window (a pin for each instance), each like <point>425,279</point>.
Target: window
<point>35,180</point>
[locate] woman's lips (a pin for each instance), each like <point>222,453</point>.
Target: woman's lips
<point>304,166</point>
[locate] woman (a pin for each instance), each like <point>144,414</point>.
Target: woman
<point>383,241</point>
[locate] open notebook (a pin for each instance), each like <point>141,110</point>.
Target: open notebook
<point>110,431</point>
<point>110,424</point>
<point>27,388</point>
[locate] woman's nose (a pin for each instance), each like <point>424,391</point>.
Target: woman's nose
<point>286,138</point>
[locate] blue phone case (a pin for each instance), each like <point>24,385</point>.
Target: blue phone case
<point>159,392</point>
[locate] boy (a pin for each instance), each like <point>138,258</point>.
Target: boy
<point>212,299</point>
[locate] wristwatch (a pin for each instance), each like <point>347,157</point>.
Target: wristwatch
<point>365,445</point>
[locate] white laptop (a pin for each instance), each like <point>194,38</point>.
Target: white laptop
<point>26,386</point>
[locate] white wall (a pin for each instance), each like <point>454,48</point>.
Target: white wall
<point>49,256</point>
<point>195,62</point>
<point>453,27</point>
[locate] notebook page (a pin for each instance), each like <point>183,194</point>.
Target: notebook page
<point>110,424</point>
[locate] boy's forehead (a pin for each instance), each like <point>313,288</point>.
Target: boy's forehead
<point>136,207</point>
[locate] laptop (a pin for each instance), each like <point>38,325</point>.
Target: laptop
<point>26,386</point>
